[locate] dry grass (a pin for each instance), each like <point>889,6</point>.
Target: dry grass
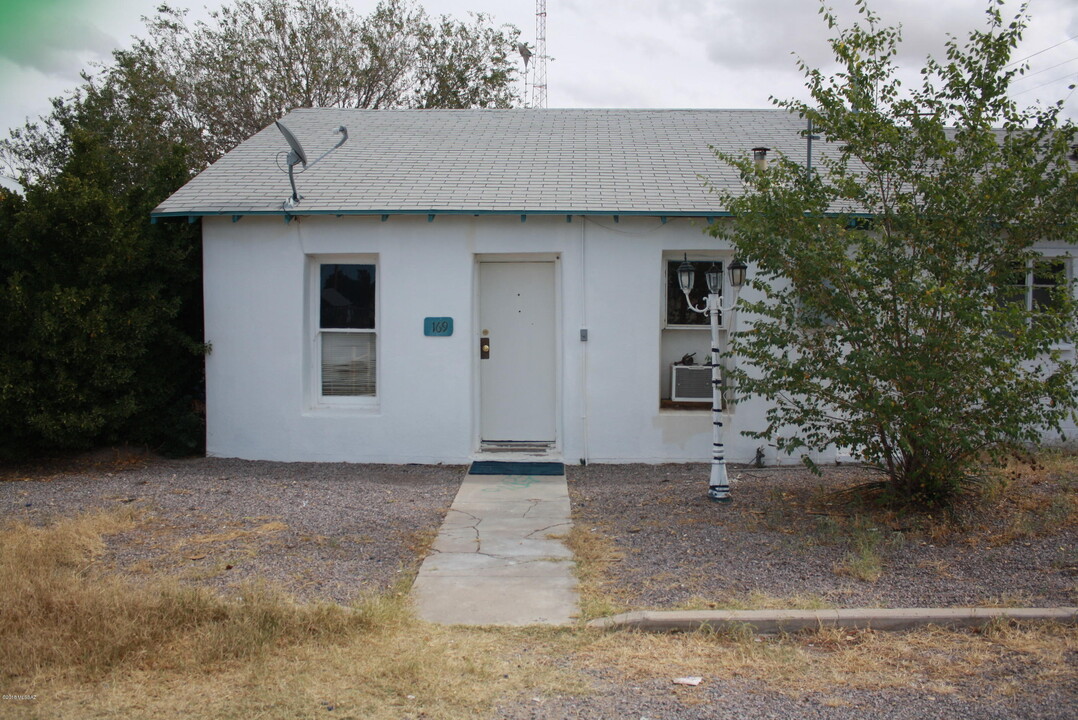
<point>868,542</point>
<point>59,612</point>
<point>232,536</point>
<point>1030,497</point>
<point>89,644</point>
<point>830,659</point>
<point>420,541</point>
<point>757,600</point>
<point>387,674</point>
<point>1009,600</point>
<point>593,552</point>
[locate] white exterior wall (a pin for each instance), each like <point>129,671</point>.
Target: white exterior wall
<point>262,388</point>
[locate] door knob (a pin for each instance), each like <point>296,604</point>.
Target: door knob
<point>484,349</point>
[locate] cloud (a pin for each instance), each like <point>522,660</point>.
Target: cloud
<point>54,42</point>
<point>610,58</point>
<point>770,33</point>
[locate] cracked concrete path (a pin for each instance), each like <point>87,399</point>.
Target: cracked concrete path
<point>495,561</point>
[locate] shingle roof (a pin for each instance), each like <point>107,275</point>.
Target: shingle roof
<point>491,161</point>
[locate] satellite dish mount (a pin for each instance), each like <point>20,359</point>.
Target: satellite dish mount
<point>297,156</point>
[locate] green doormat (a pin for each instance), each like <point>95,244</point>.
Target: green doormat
<point>500,467</point>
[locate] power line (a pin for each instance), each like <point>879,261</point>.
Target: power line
<point>1027,57</point>
<point>1041,72</point>
<point>1050,82</point>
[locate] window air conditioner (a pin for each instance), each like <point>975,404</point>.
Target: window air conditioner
<point>690,383</point>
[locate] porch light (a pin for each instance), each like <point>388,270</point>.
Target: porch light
<point>686,276</point>
<point>737,273</point>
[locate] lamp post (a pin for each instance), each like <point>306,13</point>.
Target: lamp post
<point>718,485</point>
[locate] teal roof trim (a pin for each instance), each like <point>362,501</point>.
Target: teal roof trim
<point>386,214</point>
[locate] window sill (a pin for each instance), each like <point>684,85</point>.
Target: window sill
<point>685,405</point>
<point>345,409</point>
<point>677,407</point>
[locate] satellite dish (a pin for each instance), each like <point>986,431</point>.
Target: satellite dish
<point>525,52</point>
<point>297,156</point>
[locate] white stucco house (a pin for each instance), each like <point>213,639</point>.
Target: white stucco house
<point>455,285</point>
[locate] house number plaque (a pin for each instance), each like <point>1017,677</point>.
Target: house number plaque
<point>438,326</point>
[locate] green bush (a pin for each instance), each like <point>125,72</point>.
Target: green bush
<point>94,346</point>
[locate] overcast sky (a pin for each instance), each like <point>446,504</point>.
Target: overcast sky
<point>606,53</point>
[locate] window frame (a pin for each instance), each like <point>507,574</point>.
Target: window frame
<point>719,257</point>
<point>1069,269</point>
<point>316,332</point>
<point>669,331</point>
<point>1030,284</point>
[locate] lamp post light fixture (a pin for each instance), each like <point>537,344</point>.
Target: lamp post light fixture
<point>737,273</point>
<point>718,484</point>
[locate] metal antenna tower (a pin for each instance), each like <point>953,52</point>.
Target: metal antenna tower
<point>539,74</point>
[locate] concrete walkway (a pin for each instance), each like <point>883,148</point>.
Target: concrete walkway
<point>494,562</point>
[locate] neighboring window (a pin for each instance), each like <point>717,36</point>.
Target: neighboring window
<point>677,310</point>
<point>1035,284</point>
<point>346,328</point>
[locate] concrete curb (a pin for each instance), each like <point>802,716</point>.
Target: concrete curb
<point>767,622</point>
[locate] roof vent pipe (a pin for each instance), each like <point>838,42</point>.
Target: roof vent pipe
<point>759,158</point>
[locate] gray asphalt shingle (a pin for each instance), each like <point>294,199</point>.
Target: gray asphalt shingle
<point>506,161</point>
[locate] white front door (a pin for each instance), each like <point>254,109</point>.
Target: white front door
<point>516,345</point>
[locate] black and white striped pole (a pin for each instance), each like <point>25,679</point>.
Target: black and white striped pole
<point>718,485</point>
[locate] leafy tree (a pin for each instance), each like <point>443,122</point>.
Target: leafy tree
<point>894,275</point>
<point>101,311</point>
<point>465,65</point>
<point>94,348</point>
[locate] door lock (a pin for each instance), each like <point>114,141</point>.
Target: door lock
<point>484,348</point>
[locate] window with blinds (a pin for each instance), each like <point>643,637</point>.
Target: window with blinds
<point>347,332</point>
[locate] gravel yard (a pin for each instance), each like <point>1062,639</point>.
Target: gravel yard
<point>334,530</point>
<point>321,531</point>
<point>737,699</point>
<point>328,531</point>
<point>780,539</point>
<point>780,543</point>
